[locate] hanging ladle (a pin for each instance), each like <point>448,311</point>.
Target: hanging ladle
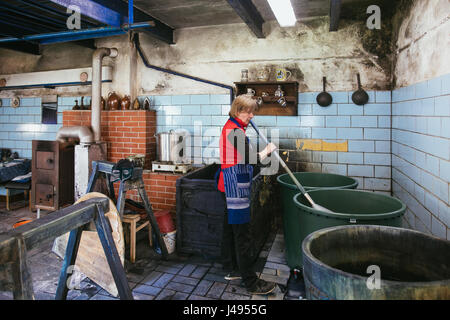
<point>324,99</point>
<point>299,186</point>
<point>360,97</point>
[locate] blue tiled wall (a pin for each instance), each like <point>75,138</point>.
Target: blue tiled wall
<point>399,139</point>
<point>421,154</point>
<point>366,128</point>
<point>19,126</point>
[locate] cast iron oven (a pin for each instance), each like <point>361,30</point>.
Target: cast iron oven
<point>52,174</point>
<point>200,212</point>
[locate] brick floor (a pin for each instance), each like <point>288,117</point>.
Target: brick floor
<point>181,277</point>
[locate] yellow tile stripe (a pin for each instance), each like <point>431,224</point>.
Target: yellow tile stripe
<point>320,145</point>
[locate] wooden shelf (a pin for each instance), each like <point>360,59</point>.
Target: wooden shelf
<point>270,106</point>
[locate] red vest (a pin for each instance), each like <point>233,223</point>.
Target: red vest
<point>229,156</point>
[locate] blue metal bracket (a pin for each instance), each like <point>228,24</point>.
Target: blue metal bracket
<point>117,13</point>
<point>76,35</point>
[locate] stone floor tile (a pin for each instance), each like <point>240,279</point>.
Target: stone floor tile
<point>168,269</point>
<point>102,297</point>
<point>180,296</point>
<point>163,280</point>
<point>195,297</point>
<point>216,290</point>
<point>141,296</point>
<point>215,277</point>
<point>186,280</point>
<point>199,272</point>
<point>151,278</point>
<point>166,294</point>
<point>180,287</point>
<point>236,289</point>
<point>234,296</point>
<point>187,270</point>
<point>149,290</point>
<point>203,287</point>
<point>279,280</point>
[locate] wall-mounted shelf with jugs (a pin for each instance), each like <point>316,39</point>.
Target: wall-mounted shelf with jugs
<point>274,98</point>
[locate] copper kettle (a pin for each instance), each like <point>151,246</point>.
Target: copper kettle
<point>113,102</point>
<point>125,102</point>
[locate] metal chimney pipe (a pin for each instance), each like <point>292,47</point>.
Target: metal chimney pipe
<point>97,58</point>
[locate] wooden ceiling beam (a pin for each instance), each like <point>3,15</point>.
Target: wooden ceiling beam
<point>249,14</point>
<point>335,14</point>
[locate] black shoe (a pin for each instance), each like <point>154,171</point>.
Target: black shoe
<point>261,287</point>
<point>233,275</point>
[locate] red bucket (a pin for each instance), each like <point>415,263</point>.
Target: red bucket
<point>165,221</point>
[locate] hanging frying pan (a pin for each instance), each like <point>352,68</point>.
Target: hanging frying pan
<point>324,99</point>
<point>360,97</point>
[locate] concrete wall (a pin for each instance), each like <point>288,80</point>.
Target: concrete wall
<point>309,50</point>
<point>423,42</point>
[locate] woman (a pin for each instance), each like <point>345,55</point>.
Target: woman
<point>235,177</point>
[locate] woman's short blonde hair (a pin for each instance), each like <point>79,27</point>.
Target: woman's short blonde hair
<point>243,103</point>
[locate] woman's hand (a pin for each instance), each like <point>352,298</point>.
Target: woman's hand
<point>267,150</point>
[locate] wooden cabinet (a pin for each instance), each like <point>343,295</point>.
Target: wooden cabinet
<point>270,105</point>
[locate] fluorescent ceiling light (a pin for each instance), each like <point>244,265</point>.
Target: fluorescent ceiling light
<point>283,12</point>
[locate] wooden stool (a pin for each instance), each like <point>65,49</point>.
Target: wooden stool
<point>132,220</point>
<point>22,186</point>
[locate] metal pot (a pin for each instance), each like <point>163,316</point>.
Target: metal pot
<point>171,146</point>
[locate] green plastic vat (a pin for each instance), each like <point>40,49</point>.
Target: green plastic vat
<point>288,189</point>
<point>349,207</point>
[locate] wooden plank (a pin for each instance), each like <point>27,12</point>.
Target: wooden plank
<point>335,14</point>
<point>91,260</point>
<point>50,226</point>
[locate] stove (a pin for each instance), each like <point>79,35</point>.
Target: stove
<point>168,166</point>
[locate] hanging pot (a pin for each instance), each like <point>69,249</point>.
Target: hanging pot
<point>113,102</point>
<point>360,97</point>
<point>324,99</point>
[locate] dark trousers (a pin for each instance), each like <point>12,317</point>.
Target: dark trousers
<point>237,250</point>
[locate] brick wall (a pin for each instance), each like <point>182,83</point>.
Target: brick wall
<point>127,132</point>
<point>160,188</point>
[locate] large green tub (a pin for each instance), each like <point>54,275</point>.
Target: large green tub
<point>349,207</point>
<point>288,189</point>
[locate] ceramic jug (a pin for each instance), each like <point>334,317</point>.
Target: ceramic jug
<point>283,74</point>
<point>125,102</point>
<point>263,74</point>
<point>250,92</point>
<point>113,101</point>
<point>136,105</point>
